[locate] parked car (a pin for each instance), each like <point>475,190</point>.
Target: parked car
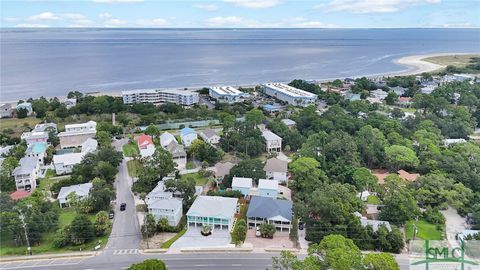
<point>257,233</point>
<point>111,215</point>
<point>123,206</point>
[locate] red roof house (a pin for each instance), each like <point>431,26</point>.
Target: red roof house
<point>145,145</point>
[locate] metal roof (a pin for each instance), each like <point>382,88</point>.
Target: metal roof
<point>270,208</point>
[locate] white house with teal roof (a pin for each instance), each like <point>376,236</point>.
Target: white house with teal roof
<point>188,135</point>
<point>215,211</point>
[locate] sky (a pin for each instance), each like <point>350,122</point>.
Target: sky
<point>241,13</point>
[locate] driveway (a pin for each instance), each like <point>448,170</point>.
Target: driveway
<point>279,240</point>
<point>454,224</point>
<point>193,238</point>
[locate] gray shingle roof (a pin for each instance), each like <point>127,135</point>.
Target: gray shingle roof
<point>25,166</point>
<point>264,207</point>
<point>276,165</point>
<point>375,224</point>
<point>209,133</point>
<point>169,204</point>
<point>80,190</point>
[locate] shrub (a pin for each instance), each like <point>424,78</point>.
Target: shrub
<point>433,215</point>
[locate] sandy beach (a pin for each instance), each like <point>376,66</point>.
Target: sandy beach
<point>416,64</point>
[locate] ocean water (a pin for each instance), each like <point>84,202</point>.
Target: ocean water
<point>51,62</point>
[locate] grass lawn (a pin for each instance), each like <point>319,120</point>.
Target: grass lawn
<point>130,149</point>
<point>454,60</point>
<point>426,231</point>
<point>7,247</point>
<point>190,165</point>
<point>47,181</point>
<point>133,166</point>
<point>168,243</point>
<point>199,180</point>
<point>372,199</point>
<point>409,110</point>
<point>14,123</point>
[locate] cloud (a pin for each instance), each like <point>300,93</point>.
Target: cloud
<point>153,22</point>
<point>371,6</point>
<point>114,22</point>
<point>117,1</point>
<point>31,25</point>
<point>43,16</point>
<point>207,7</point>
<point>313,24</point>
<point>73,16</point>
<point>105,15</point>
<point>50,16</point>
<point>225,21</point>
<point>254,3</point>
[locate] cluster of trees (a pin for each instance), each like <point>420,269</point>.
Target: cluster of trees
<point>330,98</point>
<point>472,67</point>
<point>154,169</point>
<point>341,148</point>
<point>150,227</point>
<point>102,164</point>
<point>82,230</point>
<point>245,137</point>
<point>337,253</point>
<point>251,168</point>
<point>127,115</point>
<point>40,216</point>
<point>205,152</point>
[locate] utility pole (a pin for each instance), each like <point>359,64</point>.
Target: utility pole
<point>24,225</point>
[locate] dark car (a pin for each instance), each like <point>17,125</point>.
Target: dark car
<point>123,206</point>
<point>111,215</point>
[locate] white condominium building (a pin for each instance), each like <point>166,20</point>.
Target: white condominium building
<point>157,96</point>
<point>226,94</point>
<point>288,94</point>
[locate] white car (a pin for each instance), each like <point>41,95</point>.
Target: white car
<point>257,233</point>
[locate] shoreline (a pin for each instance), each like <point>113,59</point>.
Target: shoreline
<point>415,64</point>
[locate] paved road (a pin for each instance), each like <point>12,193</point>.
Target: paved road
<point>187,261</point>
<point>126,230</point>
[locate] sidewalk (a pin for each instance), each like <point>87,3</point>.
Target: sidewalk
<point>49,256</point>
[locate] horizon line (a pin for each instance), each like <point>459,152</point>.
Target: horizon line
<point>235,28</point>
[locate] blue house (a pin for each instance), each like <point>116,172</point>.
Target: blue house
<point>268,188</point>
<point>242,184</point>
<point>188,135</point>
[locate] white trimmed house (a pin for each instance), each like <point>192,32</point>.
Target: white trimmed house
<point>270,210</point>
<point>276,169</point>
<point>82,191</point>
<point>273,141</point>
<point>26,173</point>
<point>170,209</point>
<point>218,212</point>
<point>209,136</point>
